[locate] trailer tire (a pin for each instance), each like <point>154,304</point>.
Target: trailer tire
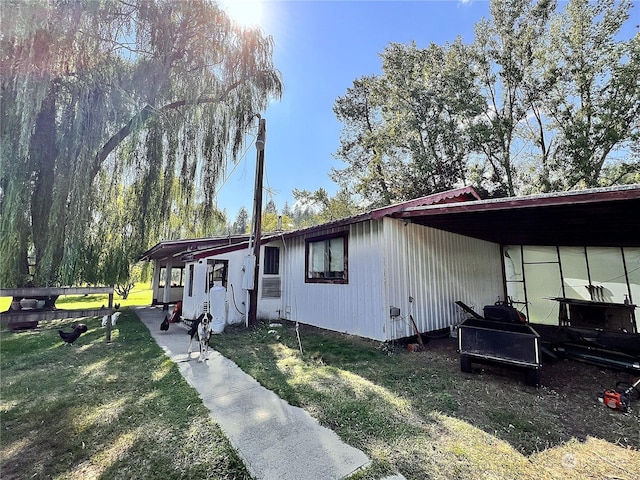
<point>533,377</point>
<point>465,363</point>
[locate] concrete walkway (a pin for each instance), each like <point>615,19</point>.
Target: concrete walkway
<point>276,440</point>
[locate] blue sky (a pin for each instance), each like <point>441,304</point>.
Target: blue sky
<point>321,47</point>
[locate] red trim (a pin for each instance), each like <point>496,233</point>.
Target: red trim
<point>532,201</point>
<point>465,194</point>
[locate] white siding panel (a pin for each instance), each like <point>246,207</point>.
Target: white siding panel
<point>390,261</point>
<point>436,268</point>
<point>192,305</point>
<point>236,296</point>
<point>269,308</point>
<point>357,307</point>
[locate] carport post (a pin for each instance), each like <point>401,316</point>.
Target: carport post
<point>109,309</point>
<point>166,293</point>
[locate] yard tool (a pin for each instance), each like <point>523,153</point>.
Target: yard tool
<point>620,398</point>
<point>415,327</point>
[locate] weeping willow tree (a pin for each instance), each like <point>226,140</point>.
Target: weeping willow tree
<point>117,118</point>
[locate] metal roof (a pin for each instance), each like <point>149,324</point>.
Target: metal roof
<point>598,217</point>
<point>458,195</point>
<point>177,248</point>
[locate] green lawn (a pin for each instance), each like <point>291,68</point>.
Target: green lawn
<point>417,414</point>
<point>110,411</point>
<point>140,295</point>
<point>122,410</point>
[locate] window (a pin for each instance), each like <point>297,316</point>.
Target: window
<point>326,259</point>
<point>191,268</point>
<point>271,260</point>
<point>177,276</point>
<point>217,273</point>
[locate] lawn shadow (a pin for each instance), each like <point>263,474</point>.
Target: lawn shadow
<point>493,398</point>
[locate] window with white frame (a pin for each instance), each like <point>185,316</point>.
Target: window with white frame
<point>177,277</point>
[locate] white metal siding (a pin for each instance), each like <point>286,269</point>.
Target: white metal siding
<point>236,297</point>
<point>388,263</point>
<point>357,307</point>
<point>269,308</point>
<point>436,268</point>
<point>192,306</point>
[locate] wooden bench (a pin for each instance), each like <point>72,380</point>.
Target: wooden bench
<point>18,318</point>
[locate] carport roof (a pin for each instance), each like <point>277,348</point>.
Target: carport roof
<point>177,248</point>
<point>597,217</point>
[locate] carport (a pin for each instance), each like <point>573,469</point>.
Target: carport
<point>570,259</point>
<point>608,217</point>
<point>169,258</point>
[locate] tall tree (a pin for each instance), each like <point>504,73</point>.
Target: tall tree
<point>430,99</point>
<point>145,91</point>
<point>313,208</point>
<point>241,224</point>
<point>368,172</point>
<point>286,210</point>
<point>543,100</point>
<point>406,131</point>
<point>593,93</point>
<point>271,207</point>
<point>505,46</point>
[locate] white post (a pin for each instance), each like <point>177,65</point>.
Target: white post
<point>247,295</point>
<point>166,294</point>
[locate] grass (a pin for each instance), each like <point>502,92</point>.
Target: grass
<point>108,411</point>
<point>123,410</point>
<point>417,414</point>
<point>140,295</point>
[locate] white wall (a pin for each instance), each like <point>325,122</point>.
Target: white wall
<point>236,298</point>
<point>357,307</point>
<point>388,263</point>
<point>192,304</point>
<point>271,308</point>
<point>268,308</point>
<point>436,268</point>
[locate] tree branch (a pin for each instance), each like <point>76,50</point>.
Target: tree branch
<point>145,114</point>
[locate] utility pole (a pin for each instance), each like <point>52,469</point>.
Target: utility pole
<point>257,220</point>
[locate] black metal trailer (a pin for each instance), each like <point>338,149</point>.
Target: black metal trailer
<point>506,342</point>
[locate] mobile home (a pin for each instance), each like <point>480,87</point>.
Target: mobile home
<point>378,274</point>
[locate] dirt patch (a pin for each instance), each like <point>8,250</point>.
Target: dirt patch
<point>496,399</point>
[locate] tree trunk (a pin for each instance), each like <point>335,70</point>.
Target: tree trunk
<point>43,153</point>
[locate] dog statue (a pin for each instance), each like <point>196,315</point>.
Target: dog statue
<point>201,328</point>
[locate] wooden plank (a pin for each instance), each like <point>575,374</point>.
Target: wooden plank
<point>30,292</point>
<point>8,317</point>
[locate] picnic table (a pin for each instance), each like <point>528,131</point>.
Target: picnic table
<point>30,305</point>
